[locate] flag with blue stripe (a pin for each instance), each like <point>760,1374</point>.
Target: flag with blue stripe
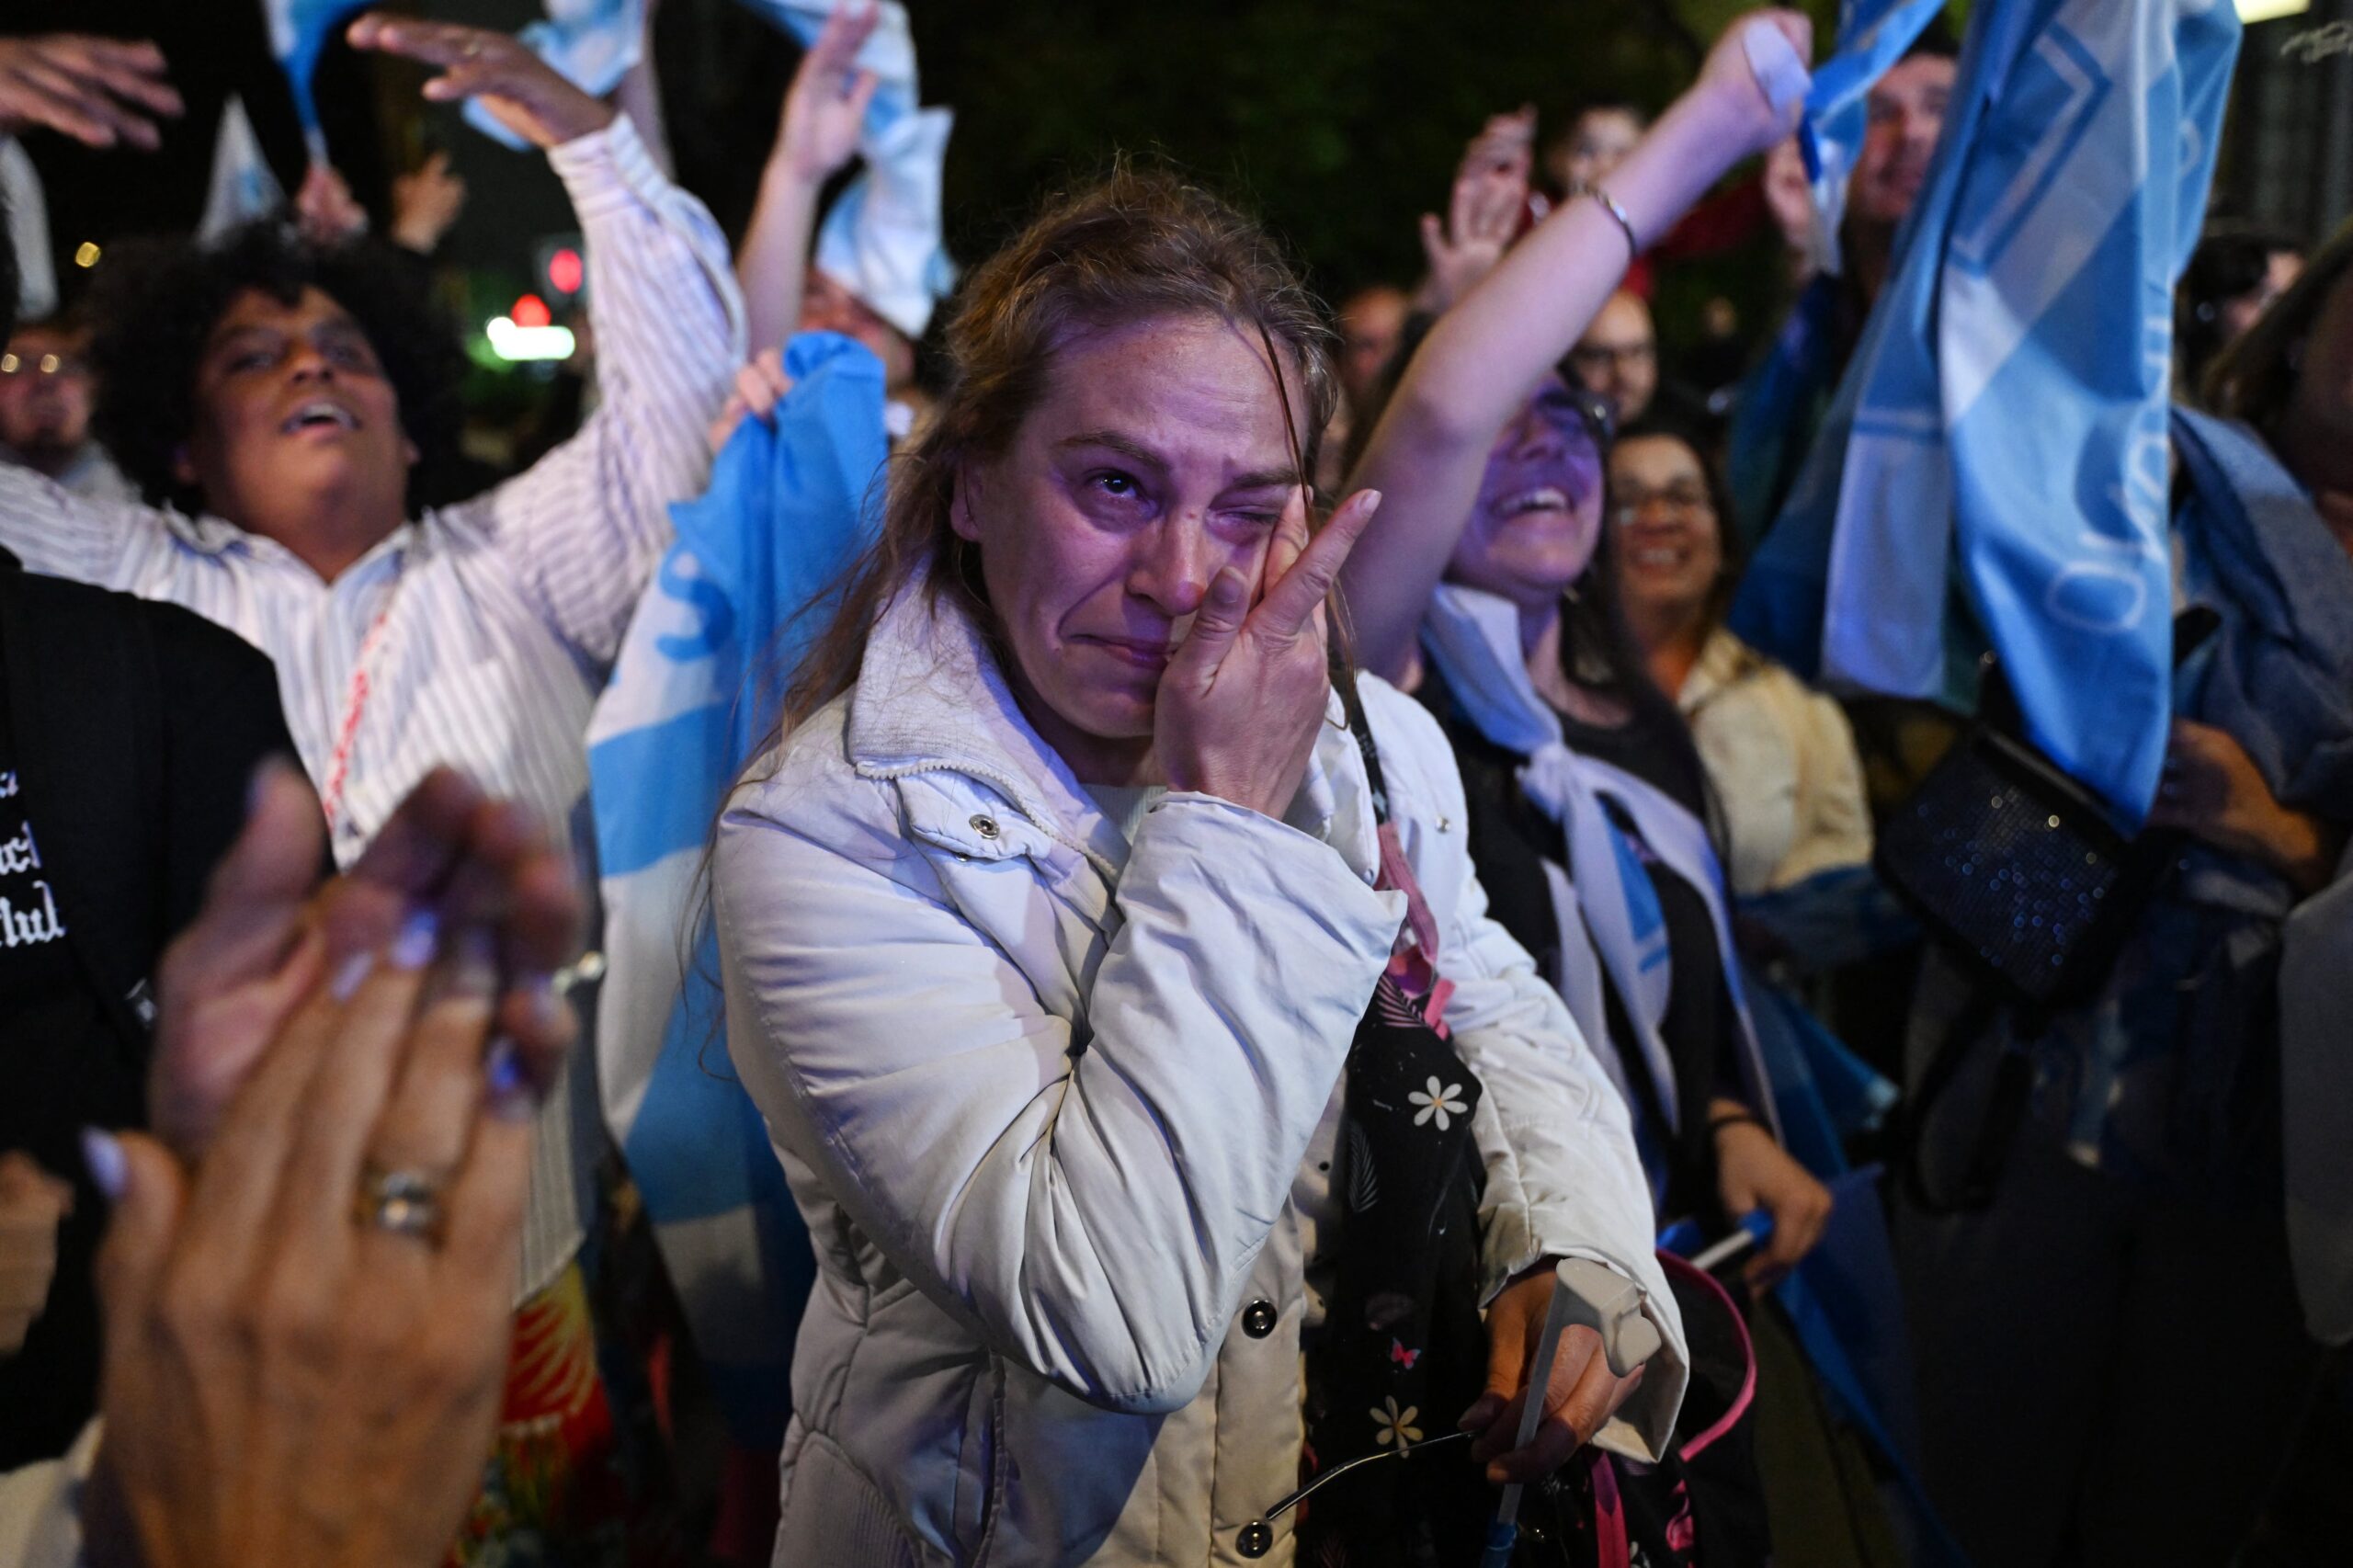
<point>298,31</point>
<point>742,591</point>
<point>1995,462</point>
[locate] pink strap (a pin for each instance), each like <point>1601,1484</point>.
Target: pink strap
<point>1611,1549</point>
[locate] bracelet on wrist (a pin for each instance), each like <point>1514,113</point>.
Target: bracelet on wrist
<point>1716,1124</point>
<point>1609,204</point>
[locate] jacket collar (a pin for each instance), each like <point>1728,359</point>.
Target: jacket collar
<point>1724,661</point>
<point>930,698</point>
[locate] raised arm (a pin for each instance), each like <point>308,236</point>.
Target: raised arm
<point>586,524</point>
<point>59,534</point>
<point>816,136</point>
<point>1488,355</point>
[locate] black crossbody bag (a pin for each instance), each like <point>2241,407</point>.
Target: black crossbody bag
<point>2024,876</point>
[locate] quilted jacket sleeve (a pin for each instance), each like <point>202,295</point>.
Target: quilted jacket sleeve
<point>1091,1199</point>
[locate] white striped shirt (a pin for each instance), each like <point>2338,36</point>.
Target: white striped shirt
<point>501,615</point>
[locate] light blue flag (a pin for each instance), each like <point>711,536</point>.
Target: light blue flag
<point>741,592</point>
<point>1872,36</point>
<point>298,31</point>
<point>882,238</point>
<point>591,43</point>
<point>2005,413</point>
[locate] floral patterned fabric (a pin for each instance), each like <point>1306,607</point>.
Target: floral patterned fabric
<point>579,1475</point>
<point>1403,1350</point>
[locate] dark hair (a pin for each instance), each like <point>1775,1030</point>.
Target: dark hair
<point>1600,654</point>
<point>1732,558</point>
<point>1597,651</point>
<point>157,302</point>
<point>2253,379</point>
<point>1138,246</point>
<point>1936,39</point>
<point>2229,263</point>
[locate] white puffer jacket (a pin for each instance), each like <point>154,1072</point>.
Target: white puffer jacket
<point>1052,1103</point>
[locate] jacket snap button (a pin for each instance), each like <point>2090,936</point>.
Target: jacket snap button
<point>1259,1319</point>
<point>985,827</point>
<point>1255,1540</point>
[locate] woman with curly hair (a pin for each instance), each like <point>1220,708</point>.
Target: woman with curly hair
<point>289,411</point>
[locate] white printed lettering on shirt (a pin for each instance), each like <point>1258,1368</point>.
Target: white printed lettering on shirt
<point>19,854</point>
<point>26,928</point>
<point>8,784</point>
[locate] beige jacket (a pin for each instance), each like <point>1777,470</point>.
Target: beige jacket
<point>1782,763</point>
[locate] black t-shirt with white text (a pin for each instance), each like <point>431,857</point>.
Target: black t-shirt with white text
<point>41,997</point>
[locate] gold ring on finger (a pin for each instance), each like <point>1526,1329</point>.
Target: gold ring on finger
<point>403,1202</point>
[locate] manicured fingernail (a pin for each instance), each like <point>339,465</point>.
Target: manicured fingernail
<point>348,978</point>
<point>513,1096</point>
<point>419,935</point>
<point>539,996</point>
<point>475,968</point>
<point>257,783</point>
<point>109,1171</point>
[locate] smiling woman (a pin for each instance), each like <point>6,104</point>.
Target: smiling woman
<point>184,326</point>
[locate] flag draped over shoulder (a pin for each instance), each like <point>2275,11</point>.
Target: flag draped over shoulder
<point>744,588</point>
<point>1994,461</point>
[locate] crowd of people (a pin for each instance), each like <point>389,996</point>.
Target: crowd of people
<point>1270,883</point>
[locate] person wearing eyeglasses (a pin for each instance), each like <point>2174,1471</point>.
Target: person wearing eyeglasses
<point>1617,356</point>
<point>47,387</point>
<point>1779,759</point>
<point>1488,586</point>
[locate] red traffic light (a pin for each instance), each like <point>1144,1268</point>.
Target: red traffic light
<point>530,311</point>
<point>565,273</point>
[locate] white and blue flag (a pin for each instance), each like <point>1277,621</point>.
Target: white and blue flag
<point>741,592</point>
<point>591,43</point>
<point>1995,462</point>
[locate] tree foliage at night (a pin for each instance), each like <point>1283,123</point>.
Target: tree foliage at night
<point>1340,120</point>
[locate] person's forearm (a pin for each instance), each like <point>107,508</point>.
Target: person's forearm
<point>773,261</point>
<point>1486,356</point>
<point>2303,848</point>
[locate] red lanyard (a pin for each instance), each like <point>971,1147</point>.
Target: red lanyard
<point>355,704</point>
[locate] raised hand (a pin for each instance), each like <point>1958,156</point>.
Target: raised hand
<point>760,385</point>
<point>1241,701</point>
<point>325,211</point>
<point>307,1333</point>
<point>1483,215</point>
<point>101,91</point>
<point>1728,80</point>
<point>426,202</point>
<point>522,91</point>
<point>827,102</point>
